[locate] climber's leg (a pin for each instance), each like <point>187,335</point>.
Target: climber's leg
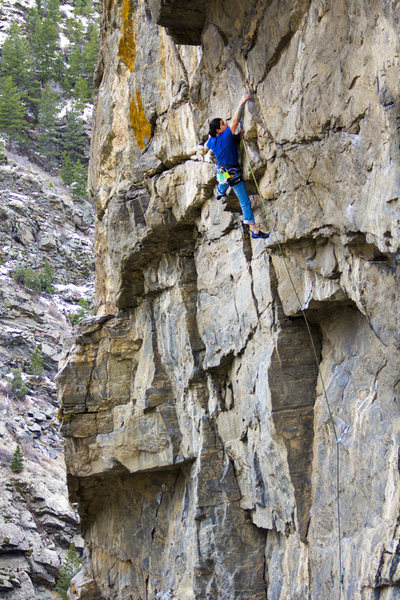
<point>245,202</point>
<point>221,190</point>
<point>248,215</point>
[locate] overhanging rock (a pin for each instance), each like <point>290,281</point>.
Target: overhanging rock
<point>184,19</point>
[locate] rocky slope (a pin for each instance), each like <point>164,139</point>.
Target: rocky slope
<point>204,450</point>
<point>11,12</point>
<point>39,224</point>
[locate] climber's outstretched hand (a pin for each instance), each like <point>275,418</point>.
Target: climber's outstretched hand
<point>244,99</point>
<point>238,114</point>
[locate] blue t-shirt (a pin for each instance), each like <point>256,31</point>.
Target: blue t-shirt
<point>224,148</point>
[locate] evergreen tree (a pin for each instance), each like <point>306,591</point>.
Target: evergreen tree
<point>67,171</point>
<point>69,569</point>
<point>75,59</point>
<point>81,92</point>
<point>83,53</point>
<point>17,62</point>
<point>75,67</point>
<point>83,311</point>
<point>12,110</point>
<point>49,125</point>
<point>74,140</point>
<point>36,361</point>
<point>80,7</point>
<point>31,66</point>
<point>87,8</point>
<point>17,462</point>
<point>27,277</point>
<point>76,33</point>
<point>46,279</point>
<point>53,10</point>
<point>18,385</point>
<point>35,14</point>
<point>74,175</point>
<point>46,50</point>
<point>78,187</point>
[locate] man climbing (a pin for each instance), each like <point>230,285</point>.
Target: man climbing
<point>222,143</point>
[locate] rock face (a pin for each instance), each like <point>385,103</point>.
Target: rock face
<point>207,423</point>
<point>39,224</point>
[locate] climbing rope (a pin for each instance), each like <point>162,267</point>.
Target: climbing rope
<point>303,307</point>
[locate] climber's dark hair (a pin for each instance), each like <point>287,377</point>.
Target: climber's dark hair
<point>214,125</point>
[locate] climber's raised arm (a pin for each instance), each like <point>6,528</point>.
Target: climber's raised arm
<point>238,114</point>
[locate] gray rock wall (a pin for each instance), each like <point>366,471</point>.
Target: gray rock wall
<point>40,226</point>
<point>200,445</point>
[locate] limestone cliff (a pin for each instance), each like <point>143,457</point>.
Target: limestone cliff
<point>199,443</point>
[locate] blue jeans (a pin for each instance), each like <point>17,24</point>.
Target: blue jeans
<point>243,197</point>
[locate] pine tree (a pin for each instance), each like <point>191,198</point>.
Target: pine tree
<point>49,125</point>
<point>35,13</point>
<point>74,175</point>
<point>75,67</point>
<point>46,50</point>
<point>67,171</point>
<point>17,462</point>
<point>74,140</point>
<point>87,8</point>
<point>78,186</point>
<point>46,279</point>
<point>80,7</point>
<point>53,10</point>
<point>69,569</point>
<point>81,92</point>
<point>17,62</point>
<point>36,361</point>
<point>76,33</point>
<point>12,110</point>
<point>18,385</point>
<point>75,59</point>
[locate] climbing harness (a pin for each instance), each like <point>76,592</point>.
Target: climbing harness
<point>230,175</point>
<point>303,308</point>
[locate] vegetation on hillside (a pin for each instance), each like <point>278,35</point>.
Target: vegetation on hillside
<point>17,462</point>
<point>46,80</point>
<point>71,565</point>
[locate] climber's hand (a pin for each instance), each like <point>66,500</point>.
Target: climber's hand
<point>244,99</point>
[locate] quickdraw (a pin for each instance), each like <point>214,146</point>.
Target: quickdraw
<point>275,227</point>
<point>307,302</point>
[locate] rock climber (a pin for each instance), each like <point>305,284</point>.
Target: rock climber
<point>229,173</point>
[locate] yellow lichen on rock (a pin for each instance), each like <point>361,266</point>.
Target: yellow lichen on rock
<point>139,122</point>
<point>127,46</point>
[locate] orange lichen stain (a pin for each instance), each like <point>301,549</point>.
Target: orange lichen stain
<point>127,46</point>
<point>83,359</point>
<point>140,125</point>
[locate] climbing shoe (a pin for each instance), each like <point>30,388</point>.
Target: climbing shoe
<point>260,234</point>
<point>223,197</point>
